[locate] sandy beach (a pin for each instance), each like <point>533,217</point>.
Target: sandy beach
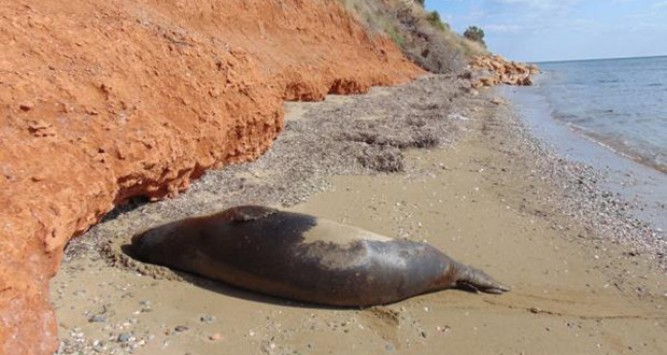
<point>424,161</point>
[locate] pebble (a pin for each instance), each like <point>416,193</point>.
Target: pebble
<point>98,318</point>
<point>215,337</point>
<point>497,101</point>
<point>181,328</point>
<point>124,337</point>
<point>208,319</point>
<point>26,106</point>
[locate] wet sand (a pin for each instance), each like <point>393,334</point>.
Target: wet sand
<point>485,195</point>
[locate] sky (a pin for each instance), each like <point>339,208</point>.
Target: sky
<point>551,30</point>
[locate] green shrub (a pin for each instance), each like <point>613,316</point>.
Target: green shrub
<point>433,18</point>
<point>475,34</point>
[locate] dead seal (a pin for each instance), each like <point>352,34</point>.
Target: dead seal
<point>305,258</point>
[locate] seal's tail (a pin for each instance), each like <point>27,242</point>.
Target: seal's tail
<point>478,281</point>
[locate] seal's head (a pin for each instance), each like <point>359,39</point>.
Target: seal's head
<point>152,244</point>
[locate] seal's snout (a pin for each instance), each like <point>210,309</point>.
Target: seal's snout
<point>139,246</point>
<point>151,243</point>
<point>136,239</point>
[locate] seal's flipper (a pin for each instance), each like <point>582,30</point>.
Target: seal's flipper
<point>249,213</point>
<point>478,280</point>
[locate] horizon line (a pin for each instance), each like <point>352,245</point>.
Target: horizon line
<point>594,59</point>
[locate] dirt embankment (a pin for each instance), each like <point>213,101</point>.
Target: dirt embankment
<point>101,101</point>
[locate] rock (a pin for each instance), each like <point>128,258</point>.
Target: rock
<point>98,318</point>
<point>171,130</point>
<point>494,70</point>
<point>208,319</point>
<point>124,337</point>
<point>497,101</point>
<point>41,129</point>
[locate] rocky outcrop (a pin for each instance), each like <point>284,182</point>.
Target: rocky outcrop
<point>101,101</point>
<point>494,70</point>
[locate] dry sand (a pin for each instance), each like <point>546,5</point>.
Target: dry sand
<point>483,193</point>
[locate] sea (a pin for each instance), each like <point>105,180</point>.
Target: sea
<point>610,114</point>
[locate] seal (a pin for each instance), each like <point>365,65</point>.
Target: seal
<point>304,258</point>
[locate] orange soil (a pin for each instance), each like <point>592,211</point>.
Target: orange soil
<point>104,100</point>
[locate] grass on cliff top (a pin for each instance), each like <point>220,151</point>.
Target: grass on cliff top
<point>421,35</point>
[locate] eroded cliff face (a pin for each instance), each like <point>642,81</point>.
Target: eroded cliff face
<point>101,101</point>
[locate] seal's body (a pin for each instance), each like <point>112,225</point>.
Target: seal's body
<point>304,258</point>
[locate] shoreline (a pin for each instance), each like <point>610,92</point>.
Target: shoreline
<point>632,180</point>
<point>483,192</point>
<point>630,129</point>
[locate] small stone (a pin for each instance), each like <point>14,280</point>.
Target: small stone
<point>98,318</point>
<point>208,319</point>
<point>215,337</point>
<point>181,328</point>
<point>535,310</point>
<point>26,106</point>
<point>497,101</point>
<point>124,337</point>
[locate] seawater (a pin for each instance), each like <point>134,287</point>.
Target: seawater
<point>610,114</point>
<point>621,103</point>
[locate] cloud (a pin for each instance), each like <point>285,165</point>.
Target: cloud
<point>659,5</point>
<point>540,4</point>
<point>504,28</point>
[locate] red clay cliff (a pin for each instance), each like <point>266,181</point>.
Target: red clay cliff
<point>101,101</point>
